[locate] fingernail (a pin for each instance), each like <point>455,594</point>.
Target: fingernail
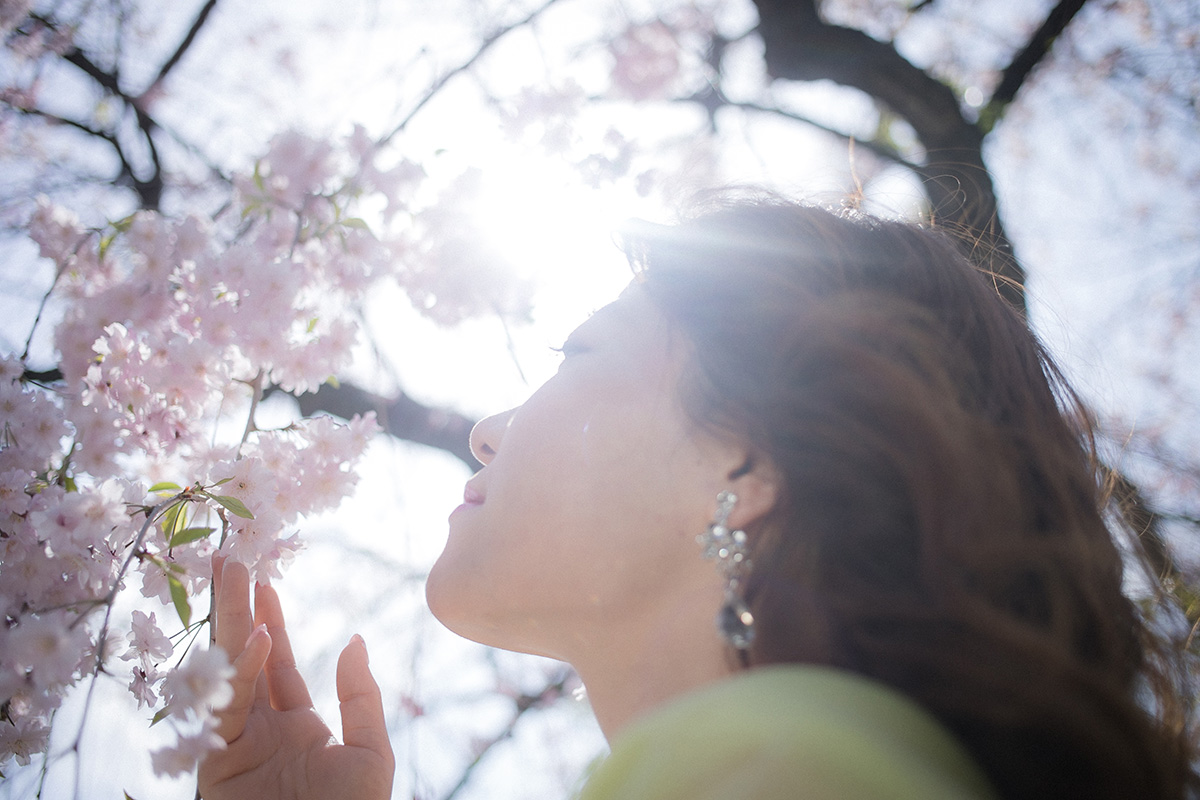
<point>361,643</point>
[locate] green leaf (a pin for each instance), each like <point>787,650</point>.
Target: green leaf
<point>69,484</point>
<point>159,716</point>
<point>233,504</point>
<point>166,487</point>
<point>105,243</point>
<point>127,795</point>
<point>174,520</point>
<point>180,599</point>
<point>355,222</point>
<point>312,324</point>
<point>189,535</point>
<point>168,519</point>
<point>223,481</point>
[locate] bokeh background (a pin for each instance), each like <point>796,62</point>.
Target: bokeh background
<point>537,128</point>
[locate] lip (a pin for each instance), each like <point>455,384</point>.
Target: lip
<point>472,498</point>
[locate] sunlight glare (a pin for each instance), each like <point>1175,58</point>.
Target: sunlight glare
<point>556,232</point>
<point>535,213</point>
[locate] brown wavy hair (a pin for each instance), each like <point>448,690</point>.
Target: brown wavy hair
<point>941,525</point>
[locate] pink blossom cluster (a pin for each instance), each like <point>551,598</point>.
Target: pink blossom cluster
<point>146,458</point>
<point>646,61</point>
<point>28,36</point>
<point>283,475</point>
<point>549,116</point>
<point>60,556</point>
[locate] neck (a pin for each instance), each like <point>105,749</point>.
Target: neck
<point>652,661</point>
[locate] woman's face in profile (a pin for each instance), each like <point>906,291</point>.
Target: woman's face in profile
<point>592,492</point>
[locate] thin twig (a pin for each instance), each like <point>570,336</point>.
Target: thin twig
<point>524,702</point>
<point>256,387</point>
<point>881,150</point>
<point>58,271</point>
<point>109,601</point>
<point>184,45</point>
<point>484,46</point>
<point>512,345</point>
<point>90,131</point>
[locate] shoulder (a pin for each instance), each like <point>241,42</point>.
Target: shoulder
<point>787,732</point>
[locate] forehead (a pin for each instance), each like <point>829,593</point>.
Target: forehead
<point>631,312</point>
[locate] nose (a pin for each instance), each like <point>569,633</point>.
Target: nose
<point>486,435</point>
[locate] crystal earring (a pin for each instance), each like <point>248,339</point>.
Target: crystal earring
<point>728,549</point>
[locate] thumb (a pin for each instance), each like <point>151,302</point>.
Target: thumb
<point>361,704</point>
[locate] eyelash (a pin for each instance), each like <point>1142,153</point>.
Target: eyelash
<point>567,349</point>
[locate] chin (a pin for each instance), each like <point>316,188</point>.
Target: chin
<point>453,603</point>
<point>462,613</point>
<point>440,595</point>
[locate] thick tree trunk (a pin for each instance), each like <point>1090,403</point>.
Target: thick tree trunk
<point>800,46</point>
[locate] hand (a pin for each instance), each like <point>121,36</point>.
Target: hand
<point>277,745</point>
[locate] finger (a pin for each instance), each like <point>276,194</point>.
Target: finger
<point>247,671</point>
<point>233,608</point>
<point>233,615</point>
<point>361,704</point>
<point>218,563</point>
<point>287,687</point>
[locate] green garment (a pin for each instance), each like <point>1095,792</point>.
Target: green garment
<point>788,733</point>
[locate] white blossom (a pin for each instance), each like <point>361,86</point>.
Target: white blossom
<point>186,754</point>
<point>146,641</point>
<point>199,684</point>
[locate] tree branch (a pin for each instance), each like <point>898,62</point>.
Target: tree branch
<point>484,46</point>
<point>548,694</point>
<point>107,80</point>
<point>57,120</point>
<point>400,416</point>
<point>800,46</point>
<point>1024,62</point>
<point>201,18</point>
<point>148,191</point>
<point>878,148</point>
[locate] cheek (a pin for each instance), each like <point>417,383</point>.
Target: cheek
<point>591,507</point>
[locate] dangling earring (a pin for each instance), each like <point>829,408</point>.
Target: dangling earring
<point>728,549</point>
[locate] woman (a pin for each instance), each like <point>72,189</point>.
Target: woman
<point>828,433</point>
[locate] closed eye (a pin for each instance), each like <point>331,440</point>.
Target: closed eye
<point>569,348</point>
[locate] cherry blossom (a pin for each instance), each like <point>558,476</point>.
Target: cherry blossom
<point>122,474</point>
<point>24,738</point>
<point>187,752</point>
<point>142,685</point>
<point>646,61</point>
<point>200,684</point>
<point>146,641</point>
<point>47,647</point>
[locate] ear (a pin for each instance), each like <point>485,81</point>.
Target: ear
<point>756,484</point>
